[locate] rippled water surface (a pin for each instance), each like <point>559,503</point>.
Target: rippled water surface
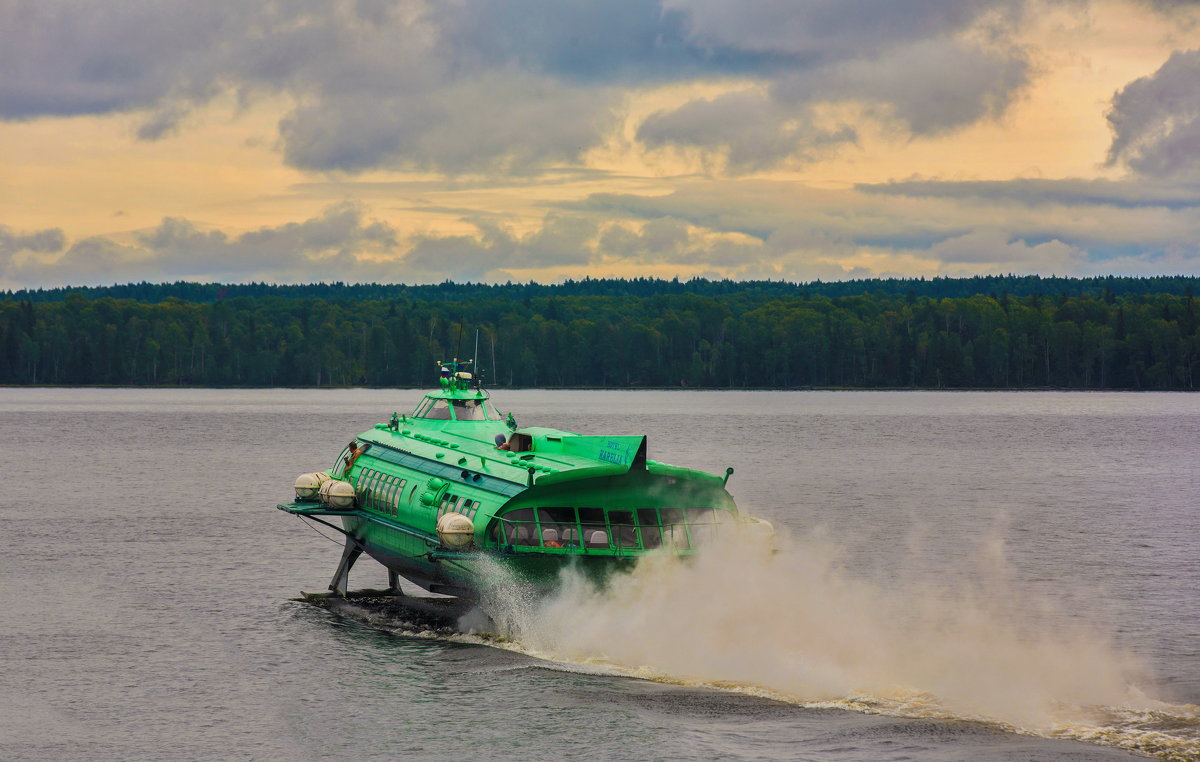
<point>985,576</point>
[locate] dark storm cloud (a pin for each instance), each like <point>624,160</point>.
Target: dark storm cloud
<point>1156,120</point>
<point>484,85</point>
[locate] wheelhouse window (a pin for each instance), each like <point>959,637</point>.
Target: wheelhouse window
<point>433,408</point>
<point>470,410</point>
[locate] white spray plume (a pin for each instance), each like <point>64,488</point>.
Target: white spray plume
<point>786,617</point>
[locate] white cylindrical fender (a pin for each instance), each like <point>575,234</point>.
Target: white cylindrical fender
<point>456,531</point>
<point>337,494</point>
<point>308,485</point>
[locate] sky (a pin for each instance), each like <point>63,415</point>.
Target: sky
<point>297,141</point>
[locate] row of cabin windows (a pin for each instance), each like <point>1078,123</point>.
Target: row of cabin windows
<point>450,504</point>
<point>596,528</point>
<point>379,491</point>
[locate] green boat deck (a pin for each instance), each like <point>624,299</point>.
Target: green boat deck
<point>534,500</point>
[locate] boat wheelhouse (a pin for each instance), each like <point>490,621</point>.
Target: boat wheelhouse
<point>457,498</point>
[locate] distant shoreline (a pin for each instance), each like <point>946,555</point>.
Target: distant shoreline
<point>618,388</point>
<point>1103,335</point>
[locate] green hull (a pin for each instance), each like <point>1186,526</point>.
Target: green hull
<point>544,502</point>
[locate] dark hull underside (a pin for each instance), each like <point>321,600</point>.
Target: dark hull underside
<point>471,574</point>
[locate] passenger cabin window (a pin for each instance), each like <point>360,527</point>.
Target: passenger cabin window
<point>468,508</point>
<point>558,529</point>
<point>379,491</point>
<point>450,504</point>
<point>520,528</point>
<point>649,527</point>
<point>611,529</point>
<point>624,531</point>
<point>592,527</point>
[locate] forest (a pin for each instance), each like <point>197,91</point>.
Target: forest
<point>1002,332</point>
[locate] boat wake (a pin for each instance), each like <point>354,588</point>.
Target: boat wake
<point>786,619</point>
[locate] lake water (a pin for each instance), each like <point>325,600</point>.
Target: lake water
<point>985,576</point>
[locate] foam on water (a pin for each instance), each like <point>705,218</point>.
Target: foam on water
<point>786,619</point>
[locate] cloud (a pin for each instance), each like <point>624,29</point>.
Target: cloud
<point>930,227</point>
<point>1036,191</point>
<point>930,86</point>
<point>340,244</point>
<point>91,261</point>
<point>41,241</point>
<point>490,86</point>
<point>495,122</point>
<point>327,244</point>
<point>717,228</point>
<point>571,245</point>
<point>1171,6</point>
<point>66,58</point>
<point>922,68</point>
<point>992,252</point>
<point>19,250</point>
<point>496,252</point>
<point>1156,120</point>
<point>825,30</point>
<point>751,129</point>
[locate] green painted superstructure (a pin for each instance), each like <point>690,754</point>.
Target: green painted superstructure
<point>555,498</point>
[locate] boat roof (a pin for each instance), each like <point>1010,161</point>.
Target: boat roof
<point>464,431</point>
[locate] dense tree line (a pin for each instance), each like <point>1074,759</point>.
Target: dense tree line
<point>1105,337</point>
<point>1014,285</point>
